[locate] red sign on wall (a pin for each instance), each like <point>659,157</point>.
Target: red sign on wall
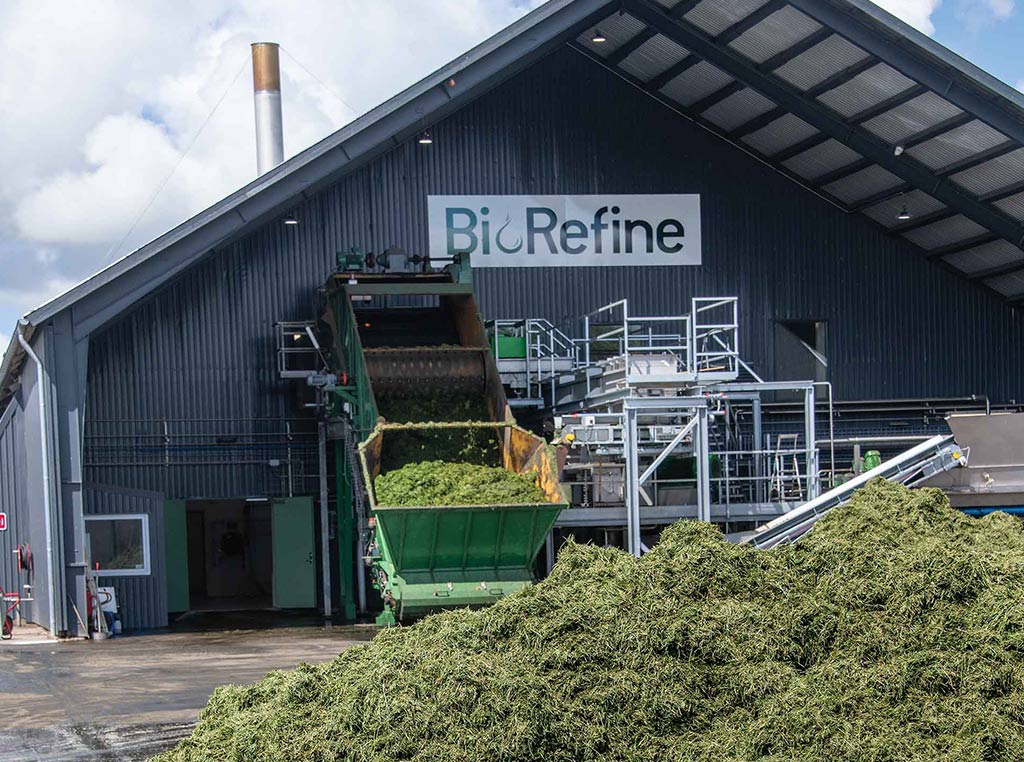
<point>3,522</point>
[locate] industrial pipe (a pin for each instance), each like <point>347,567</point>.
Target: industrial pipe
<point>45,454</point>
<point>266,84</point>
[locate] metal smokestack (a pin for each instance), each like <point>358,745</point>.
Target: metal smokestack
<point>266,84</point>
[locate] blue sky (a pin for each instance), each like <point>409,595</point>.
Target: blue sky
<point>994,44</point>
<point>107,101</point>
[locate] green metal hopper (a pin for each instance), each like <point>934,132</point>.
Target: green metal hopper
<point>400,335</point>
<point>426,558</point>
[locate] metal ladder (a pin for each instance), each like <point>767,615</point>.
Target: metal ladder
<point>786,469</point>
<point>940,453</point>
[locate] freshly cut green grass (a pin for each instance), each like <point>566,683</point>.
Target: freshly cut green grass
<point>435,482</point>
<point>894,631</point>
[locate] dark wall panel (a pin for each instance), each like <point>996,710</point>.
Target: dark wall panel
<point>13,503</point>
<point>142,600</point>
<point>898,326</point>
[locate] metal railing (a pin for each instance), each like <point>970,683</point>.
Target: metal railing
<point>287,447</point>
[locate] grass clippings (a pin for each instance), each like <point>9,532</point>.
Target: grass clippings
<point>433,483</point>
<point>894,631</point>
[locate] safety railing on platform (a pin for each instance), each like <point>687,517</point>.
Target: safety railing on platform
<point>286,448</point>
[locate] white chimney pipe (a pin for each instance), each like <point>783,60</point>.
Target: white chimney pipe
<point>266,83</point>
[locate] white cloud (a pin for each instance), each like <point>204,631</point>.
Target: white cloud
<point>1000,9</point>
<point>101,100</point>
<point>917,13</point>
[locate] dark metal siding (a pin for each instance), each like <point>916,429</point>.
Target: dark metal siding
<point>13,502</point>
<point>142,601</point>
<point>897,325</point>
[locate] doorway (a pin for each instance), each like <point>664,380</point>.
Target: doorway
<point>230,558</point>
<point>240,554</point>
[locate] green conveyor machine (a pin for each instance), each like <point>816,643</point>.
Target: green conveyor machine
<point>415,372</point>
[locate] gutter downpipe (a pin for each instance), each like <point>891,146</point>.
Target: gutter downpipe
<point>45,454</point>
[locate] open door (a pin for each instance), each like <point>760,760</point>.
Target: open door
<point>294,554</point>
<point>176,552</point>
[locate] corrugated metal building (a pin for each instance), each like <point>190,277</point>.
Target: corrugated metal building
<point>808,127</point>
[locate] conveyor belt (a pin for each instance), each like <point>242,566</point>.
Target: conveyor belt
<point>455,369</point>
<point>940,453</point>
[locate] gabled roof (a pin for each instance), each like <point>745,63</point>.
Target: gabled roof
<point>837,95</point>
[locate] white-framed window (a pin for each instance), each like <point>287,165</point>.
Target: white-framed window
<point>119,544</point>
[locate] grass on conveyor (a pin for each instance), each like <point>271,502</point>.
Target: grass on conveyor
<point>479,446</point>
<point>893,631</point>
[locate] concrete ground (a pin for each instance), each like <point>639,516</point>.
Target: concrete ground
<point>134,696</point>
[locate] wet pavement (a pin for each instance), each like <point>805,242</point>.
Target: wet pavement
<point>133,696</point>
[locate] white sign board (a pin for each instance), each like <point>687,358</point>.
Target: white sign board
<point>567,231</point>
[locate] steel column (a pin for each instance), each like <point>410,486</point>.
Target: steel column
<point>325,538</point>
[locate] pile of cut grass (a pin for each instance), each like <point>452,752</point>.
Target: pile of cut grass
<point>893,631</point>
<point>435,482</point>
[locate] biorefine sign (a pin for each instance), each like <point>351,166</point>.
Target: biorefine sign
<point>567,231</point>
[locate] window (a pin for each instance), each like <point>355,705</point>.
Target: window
<point>119,544</point>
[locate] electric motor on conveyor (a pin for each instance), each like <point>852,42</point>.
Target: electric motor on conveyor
<point>426,558</point>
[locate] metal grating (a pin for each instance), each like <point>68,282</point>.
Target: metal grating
<point>715,16</point>
<point>918,204</point>
<point>653,57</point>
<point>695,83</point>
<point>955,145</point>
<point>820,62</point>
<point>1013,206</point>
<point>821,159</point>
<point>867,182</point>
<point>994,174</point>
<point>785,131</point>
<point>619,28</point>
<point>866,89</point>
<point>1011,285</point>
<point>738,109</point>
<point>914,116</point>
<point>944,232</point>
<point>779,32</point>
<point>985,256</point>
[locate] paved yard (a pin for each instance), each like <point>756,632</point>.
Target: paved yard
<point>130,697</point>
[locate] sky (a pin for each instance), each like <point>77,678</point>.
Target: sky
<point>119,120</point>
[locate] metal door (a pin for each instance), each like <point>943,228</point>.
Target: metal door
<point>294,554</point>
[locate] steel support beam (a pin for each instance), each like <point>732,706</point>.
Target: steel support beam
<point>844,171</point>
<point>923,220</point>
<point>748,22</point>
<point>797,49</point>
<point>757,123</point>
<point>703,456</point>
<point>976,159</point>
<point>716,97</point>
<point>998,271</point>
<point>658,82</point>
<point>956,248</point>
<point>888,104</point>
<point>627,49</point>
<point>632,483</point>
<point>812,141</point>
<point>325,507</point>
